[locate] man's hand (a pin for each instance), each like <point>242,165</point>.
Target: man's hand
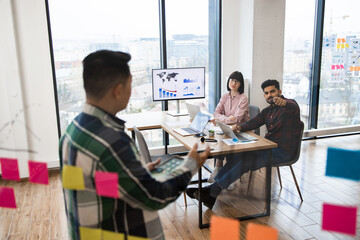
<point>278,101</point>
<point>152,165</point>
<point>236,128</point>
<point>200,158</point>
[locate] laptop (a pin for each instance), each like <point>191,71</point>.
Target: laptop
<point>196,127</point>
<point>241,136</point>
<point>192,110</point>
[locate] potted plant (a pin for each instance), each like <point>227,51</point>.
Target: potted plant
<point>211,133</point>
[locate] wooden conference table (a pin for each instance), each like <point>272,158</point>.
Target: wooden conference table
<point>162,120</point>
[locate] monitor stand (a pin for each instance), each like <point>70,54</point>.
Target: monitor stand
<point>177,112</point>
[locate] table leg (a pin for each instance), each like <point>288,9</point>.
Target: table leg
<point>268,184</point>
<point>248,217</point>
<point>200,198</point>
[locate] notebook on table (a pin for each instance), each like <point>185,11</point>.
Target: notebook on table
<point>241,136</point>
<point>197,125</point>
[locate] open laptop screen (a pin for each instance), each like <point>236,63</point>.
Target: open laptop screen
<point>199,121</point>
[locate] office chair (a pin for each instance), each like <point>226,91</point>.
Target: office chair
<point>253,111</point>
<point>290,163</point>
<point>144,150</point>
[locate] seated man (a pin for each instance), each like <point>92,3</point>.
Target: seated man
<point>282,119</point>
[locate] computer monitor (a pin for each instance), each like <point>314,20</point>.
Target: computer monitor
<point>178,84</point>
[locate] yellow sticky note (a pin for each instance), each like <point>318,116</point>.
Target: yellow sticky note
<point>346,45</point>
<point>73,178</point>
<point>257,231</point>
<point>136,238</point>
<point>338,46</point>
<point>90,233</point>
<point>224,228</point>
<point>108,235</point>
<point>342,45</point>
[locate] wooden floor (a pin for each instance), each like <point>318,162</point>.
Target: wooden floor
<point>41,215</point>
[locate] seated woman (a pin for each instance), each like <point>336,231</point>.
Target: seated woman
<point>233,108</point>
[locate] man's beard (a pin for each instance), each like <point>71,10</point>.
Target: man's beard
<point>270,100</point>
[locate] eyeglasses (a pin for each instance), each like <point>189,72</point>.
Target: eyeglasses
<point>234,81</point>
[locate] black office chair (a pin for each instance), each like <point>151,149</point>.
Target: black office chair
<point>144,150</point>
<point>290,163</point>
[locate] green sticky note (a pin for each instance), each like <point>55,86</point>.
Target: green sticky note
<point>73,178</point>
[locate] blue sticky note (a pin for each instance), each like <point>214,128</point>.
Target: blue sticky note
<point>343,163</point>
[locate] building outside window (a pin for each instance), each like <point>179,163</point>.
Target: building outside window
<point>340,68</point>
<point>122,25</point>
<point>298,45</point>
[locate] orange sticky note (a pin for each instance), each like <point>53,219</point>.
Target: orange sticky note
<point>343,40</point>
<point>90,233</point>
<point>73,178</point>
<point>338,40</point>
<point>257,231</point>
<point>351,69</point>
<point>224,228</point>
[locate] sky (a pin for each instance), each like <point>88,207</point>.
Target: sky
<point>77,18</point>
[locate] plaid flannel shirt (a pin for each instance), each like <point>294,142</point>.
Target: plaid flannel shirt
<point>96,141</point>
<point>282,123</point>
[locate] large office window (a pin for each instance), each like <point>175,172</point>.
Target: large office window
<point>298,44</point>
<point>322,62</point>
<point>339,98</point>
<point>188,40</point>
<point>81,27</point>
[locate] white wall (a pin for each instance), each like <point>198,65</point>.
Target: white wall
<point>253,43</point>
<point>28,115</point>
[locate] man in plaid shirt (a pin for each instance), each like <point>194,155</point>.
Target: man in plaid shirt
<point>96,141</point>
<point>282,120</point>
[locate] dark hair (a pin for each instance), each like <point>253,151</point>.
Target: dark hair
<point>239,77</point>
<point>270,82</point>
<point>104,69</point>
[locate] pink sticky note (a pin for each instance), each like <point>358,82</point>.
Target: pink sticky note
<point>107,184</point>
<point>38,172</point>
<point>339,218</point>
<point>342,66</point>
<point>7,197</point>
<point>332,67</point>
<point>337,66</point>
<point>10,169</point>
